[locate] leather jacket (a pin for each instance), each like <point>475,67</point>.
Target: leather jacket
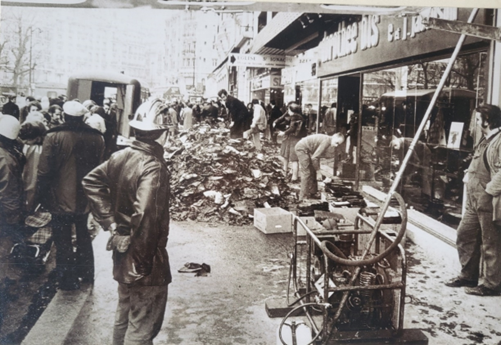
<point>132,190</point>
<point>69,152</point>
<point>11,183</point>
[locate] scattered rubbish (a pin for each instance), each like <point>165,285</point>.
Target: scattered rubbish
<point>219,179</point>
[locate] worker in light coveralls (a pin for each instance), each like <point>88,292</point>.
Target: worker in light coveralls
<point>479,233</point>
<point>309,150</point>
<point>129,196</point>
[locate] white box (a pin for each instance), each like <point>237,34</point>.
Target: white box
<point>273,220</point>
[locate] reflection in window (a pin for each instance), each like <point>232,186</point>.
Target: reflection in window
<point>394,104</point>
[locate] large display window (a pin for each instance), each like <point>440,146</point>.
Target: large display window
<point>394,102</point>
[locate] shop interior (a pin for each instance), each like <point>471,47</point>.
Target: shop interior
<point>393,101</point>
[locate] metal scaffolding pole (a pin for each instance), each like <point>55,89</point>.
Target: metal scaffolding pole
<point>423,123</point>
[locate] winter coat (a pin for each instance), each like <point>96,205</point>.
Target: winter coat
<point>69,152</point>
<point>259,119</point>
<point>493,157</point>
<point>11,183</point>
<point>239,115</point>
<point>132,190</point>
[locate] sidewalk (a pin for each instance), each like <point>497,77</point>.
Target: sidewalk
<point>248,267</point>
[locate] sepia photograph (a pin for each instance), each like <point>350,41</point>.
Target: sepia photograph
<point>208,172</point>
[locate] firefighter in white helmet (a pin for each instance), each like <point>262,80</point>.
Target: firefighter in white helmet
<point>129,196</point>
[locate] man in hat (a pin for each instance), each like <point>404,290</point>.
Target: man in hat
<point>129,196</point>
<point>69,152</point>
<point>10,108</point>
<point>11,183</point>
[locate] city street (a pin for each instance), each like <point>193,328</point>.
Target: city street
<point>248,268</point>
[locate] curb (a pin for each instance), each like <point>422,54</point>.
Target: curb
<point>57,320</point>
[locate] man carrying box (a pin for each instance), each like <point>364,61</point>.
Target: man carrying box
<point>309,150</point>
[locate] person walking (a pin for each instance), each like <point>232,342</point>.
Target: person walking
<point>309,150</point>
<point>69,152</point>
<point>129,196</point>
<point>479,232</point>
<point>239,114</point>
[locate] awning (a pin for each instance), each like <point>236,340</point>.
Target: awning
<point>277,25</point>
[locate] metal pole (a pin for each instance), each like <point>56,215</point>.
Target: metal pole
<point>31,48</point>
<point>423,122</point>
<point>389,196</point>
<point>359,131</point>
<point>319,107</point>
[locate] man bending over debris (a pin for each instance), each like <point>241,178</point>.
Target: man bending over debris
<point>309,150</point>
<point>129,196</point>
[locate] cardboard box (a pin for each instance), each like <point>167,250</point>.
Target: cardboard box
<point>273,220</point>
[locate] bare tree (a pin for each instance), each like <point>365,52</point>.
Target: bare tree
<point>17,45</point>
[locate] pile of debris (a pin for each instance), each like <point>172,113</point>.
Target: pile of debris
<point>342,194</point>
<point>219,179</point>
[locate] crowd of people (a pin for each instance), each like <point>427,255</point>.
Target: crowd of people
<point>62,157</point>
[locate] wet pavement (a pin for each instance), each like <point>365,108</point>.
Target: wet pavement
<point>24,294</point>
<point>225,307</point>
<point>247,269</point>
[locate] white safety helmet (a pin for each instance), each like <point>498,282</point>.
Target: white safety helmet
<point>149,117</point>
<point>9,126</point>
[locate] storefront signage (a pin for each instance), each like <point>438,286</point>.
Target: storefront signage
<point>305,66</point>
<point>266,82</point>
<point>255,60</point>
<point>376,39</point>
<point>221,74</point>
<point>288,74</point>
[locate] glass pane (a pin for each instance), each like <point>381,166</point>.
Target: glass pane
<point>395,103</point>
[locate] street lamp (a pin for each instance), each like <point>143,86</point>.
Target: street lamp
<point>31,57</point>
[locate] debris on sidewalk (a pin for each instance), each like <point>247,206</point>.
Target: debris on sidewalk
<point>219,179</point>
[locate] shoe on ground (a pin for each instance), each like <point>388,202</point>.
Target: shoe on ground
<point>460,282</point>
<point>481,290</point>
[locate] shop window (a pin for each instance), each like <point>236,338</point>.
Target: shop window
<point>394,104</point>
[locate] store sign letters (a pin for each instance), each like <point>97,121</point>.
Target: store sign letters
<point>403,31</point>
<point>366,34</point>
<point>255,60</point>
<point>266,82</point>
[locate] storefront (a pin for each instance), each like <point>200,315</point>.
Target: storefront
<point>256,76</point>
<point>381,73</point>
<point>267,86</point>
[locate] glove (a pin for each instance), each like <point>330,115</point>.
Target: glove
<point>118,242</point>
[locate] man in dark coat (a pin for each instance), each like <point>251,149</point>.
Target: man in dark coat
<point>129,195</point>
<point>110,136</point>
<point>275,113</point>
<point>11,182</point>
<point>239,114</point>
<point>69,152</point>
<point>11,108</point>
